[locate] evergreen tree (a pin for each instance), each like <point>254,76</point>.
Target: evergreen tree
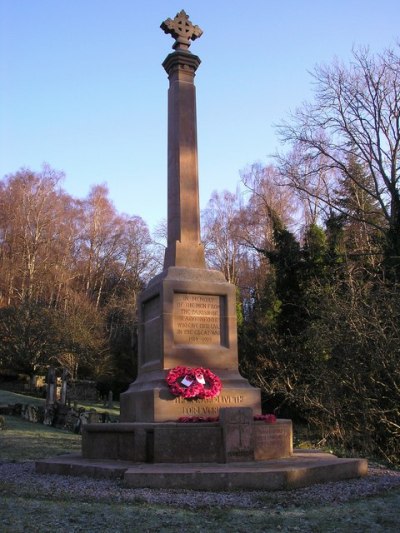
<point>362,214</point>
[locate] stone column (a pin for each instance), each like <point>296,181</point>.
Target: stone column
<point>184,247</point>
<point>187,314</point>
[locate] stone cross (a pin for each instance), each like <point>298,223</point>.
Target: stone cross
<point>182,30</point>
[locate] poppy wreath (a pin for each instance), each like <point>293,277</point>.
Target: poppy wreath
<point>193,382</point>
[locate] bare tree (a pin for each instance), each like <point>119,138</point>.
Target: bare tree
<point>356,112</point>
<point>220,222</point>
<point>72,267</point>
<point>32,206</point>
<point>269,204</point>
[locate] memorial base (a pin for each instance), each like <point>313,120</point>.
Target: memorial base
<point>187,443</point>
<point>234,453</point>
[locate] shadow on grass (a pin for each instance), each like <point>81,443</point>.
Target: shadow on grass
<point>26,441</point>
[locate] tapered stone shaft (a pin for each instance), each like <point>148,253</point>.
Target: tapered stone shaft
<point>184,247</point>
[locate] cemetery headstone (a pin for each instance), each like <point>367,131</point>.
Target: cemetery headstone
<point>110,404</point>
<point>64,385</point>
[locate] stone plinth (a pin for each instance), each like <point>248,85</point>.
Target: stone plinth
<point>272,441</point>
<point>187,317</point>
<point>301,470</point>
<point>230,440</point>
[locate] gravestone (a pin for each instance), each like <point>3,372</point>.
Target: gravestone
<point>51,385</point>
<point>187,314</point>
<point>64,386</point>
<point>110,404</point>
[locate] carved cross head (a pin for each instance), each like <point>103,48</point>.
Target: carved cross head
<point>182,30</point>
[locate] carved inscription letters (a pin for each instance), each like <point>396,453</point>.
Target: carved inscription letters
<point>197,319</point>
<point>209,407</point>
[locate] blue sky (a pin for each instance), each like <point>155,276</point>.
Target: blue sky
<point>82,87</point>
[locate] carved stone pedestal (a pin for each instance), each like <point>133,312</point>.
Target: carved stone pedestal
<point>187,318</point>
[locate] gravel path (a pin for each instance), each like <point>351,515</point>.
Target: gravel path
<point>21,480</point>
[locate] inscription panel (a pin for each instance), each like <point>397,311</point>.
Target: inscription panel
<point>272,435</point>
<point>197,319</point>
<point>273,440</point>
<point>208,407</point>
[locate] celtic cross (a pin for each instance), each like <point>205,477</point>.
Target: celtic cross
<point>182,30</point>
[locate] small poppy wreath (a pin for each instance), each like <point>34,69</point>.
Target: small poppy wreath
<point>193,382</point>
<point>268,419</point>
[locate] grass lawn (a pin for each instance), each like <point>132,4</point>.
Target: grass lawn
<point>33,515</point>
<point>25,441</point>
<point>11,398</point>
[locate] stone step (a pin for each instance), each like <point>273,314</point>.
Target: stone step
<point>300,470</point>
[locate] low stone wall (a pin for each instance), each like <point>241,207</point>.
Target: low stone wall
<point>59,416</point>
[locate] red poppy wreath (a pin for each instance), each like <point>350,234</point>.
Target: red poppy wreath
<point>193,382</point>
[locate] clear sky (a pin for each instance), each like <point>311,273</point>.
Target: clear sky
<point>82,87</point>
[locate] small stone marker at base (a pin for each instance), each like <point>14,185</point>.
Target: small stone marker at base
<point>272,441</point>
<point>237,434</point>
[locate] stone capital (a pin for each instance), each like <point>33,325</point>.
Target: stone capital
<point>181,60</point>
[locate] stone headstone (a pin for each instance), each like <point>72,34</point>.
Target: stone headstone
<point>92,417</point>
<point>51,387</point>
<point>49,415</point>
<point>110,404</point>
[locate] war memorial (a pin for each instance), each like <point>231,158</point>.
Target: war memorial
<point>190,420</point>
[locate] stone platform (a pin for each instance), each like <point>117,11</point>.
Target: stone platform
<point>299,470</point>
